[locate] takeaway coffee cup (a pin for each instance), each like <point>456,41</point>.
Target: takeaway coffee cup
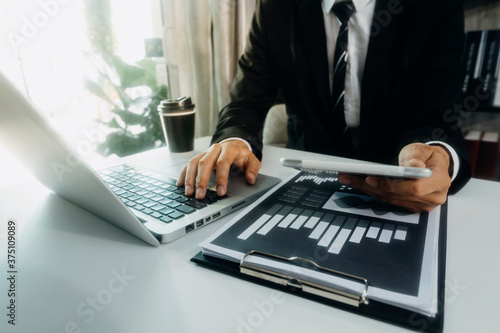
<point>177,119</point>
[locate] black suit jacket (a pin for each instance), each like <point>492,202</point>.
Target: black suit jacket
<point>410,85</point>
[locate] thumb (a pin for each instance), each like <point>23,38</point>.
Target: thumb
<point>414,155</point>
<point>414,162</point>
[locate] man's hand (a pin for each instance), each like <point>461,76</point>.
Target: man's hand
<point>223,157</point>
<point>415,195</point>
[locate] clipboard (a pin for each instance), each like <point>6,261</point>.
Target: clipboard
<point>339,299</point>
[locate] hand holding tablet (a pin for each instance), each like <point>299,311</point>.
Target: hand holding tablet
<point>420,184</point>
<point>358,168</point>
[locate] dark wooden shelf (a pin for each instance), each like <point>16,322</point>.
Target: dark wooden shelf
<point>470,4</point>
<point>488,109</point>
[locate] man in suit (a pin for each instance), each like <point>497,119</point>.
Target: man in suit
<point>384,94</point>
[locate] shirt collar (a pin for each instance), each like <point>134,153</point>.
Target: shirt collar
<point>358,4</point>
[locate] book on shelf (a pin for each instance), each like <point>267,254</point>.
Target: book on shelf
<point>489,70</point>
<point>470,60</point>
<point>487,156</point>
<point>483,149</point>
<point>472,140</point>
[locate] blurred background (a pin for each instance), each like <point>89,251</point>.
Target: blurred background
<point>98,68</point>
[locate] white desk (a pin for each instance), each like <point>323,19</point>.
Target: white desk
<point>68,260</point>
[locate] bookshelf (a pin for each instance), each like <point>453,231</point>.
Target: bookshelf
<point>483,15</point>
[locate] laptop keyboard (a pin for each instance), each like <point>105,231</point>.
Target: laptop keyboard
<point>154,194</point>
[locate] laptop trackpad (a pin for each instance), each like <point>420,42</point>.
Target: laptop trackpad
<point>235,182</point>
<point>173,171</point>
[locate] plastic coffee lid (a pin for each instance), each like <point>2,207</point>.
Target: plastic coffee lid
<point>179,104</point>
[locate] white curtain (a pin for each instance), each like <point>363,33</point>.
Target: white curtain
<point>203,40</point>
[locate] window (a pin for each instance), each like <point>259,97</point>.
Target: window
<point>44,50</point>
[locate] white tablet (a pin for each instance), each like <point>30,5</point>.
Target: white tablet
<point>353,168</point>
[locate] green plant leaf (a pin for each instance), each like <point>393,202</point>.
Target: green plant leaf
<point>130,118</point>
<point>113,123</point>
<point>97,90</point>
<point>130,75</point>
<point>149,67</point>
<point>123,97</point>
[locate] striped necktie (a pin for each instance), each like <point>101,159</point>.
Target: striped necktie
<point>343,9</point>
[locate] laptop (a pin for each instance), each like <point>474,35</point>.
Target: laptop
<point>143,201</point>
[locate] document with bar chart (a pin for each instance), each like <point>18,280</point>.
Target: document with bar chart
<point>314,217</point>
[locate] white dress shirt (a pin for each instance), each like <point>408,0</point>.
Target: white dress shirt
<point>357,47</point>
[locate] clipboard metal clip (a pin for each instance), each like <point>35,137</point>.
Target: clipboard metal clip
<point>306,286</point>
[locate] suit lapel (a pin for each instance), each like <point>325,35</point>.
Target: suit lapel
<point>312,35</point>
<point>382,43</point>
